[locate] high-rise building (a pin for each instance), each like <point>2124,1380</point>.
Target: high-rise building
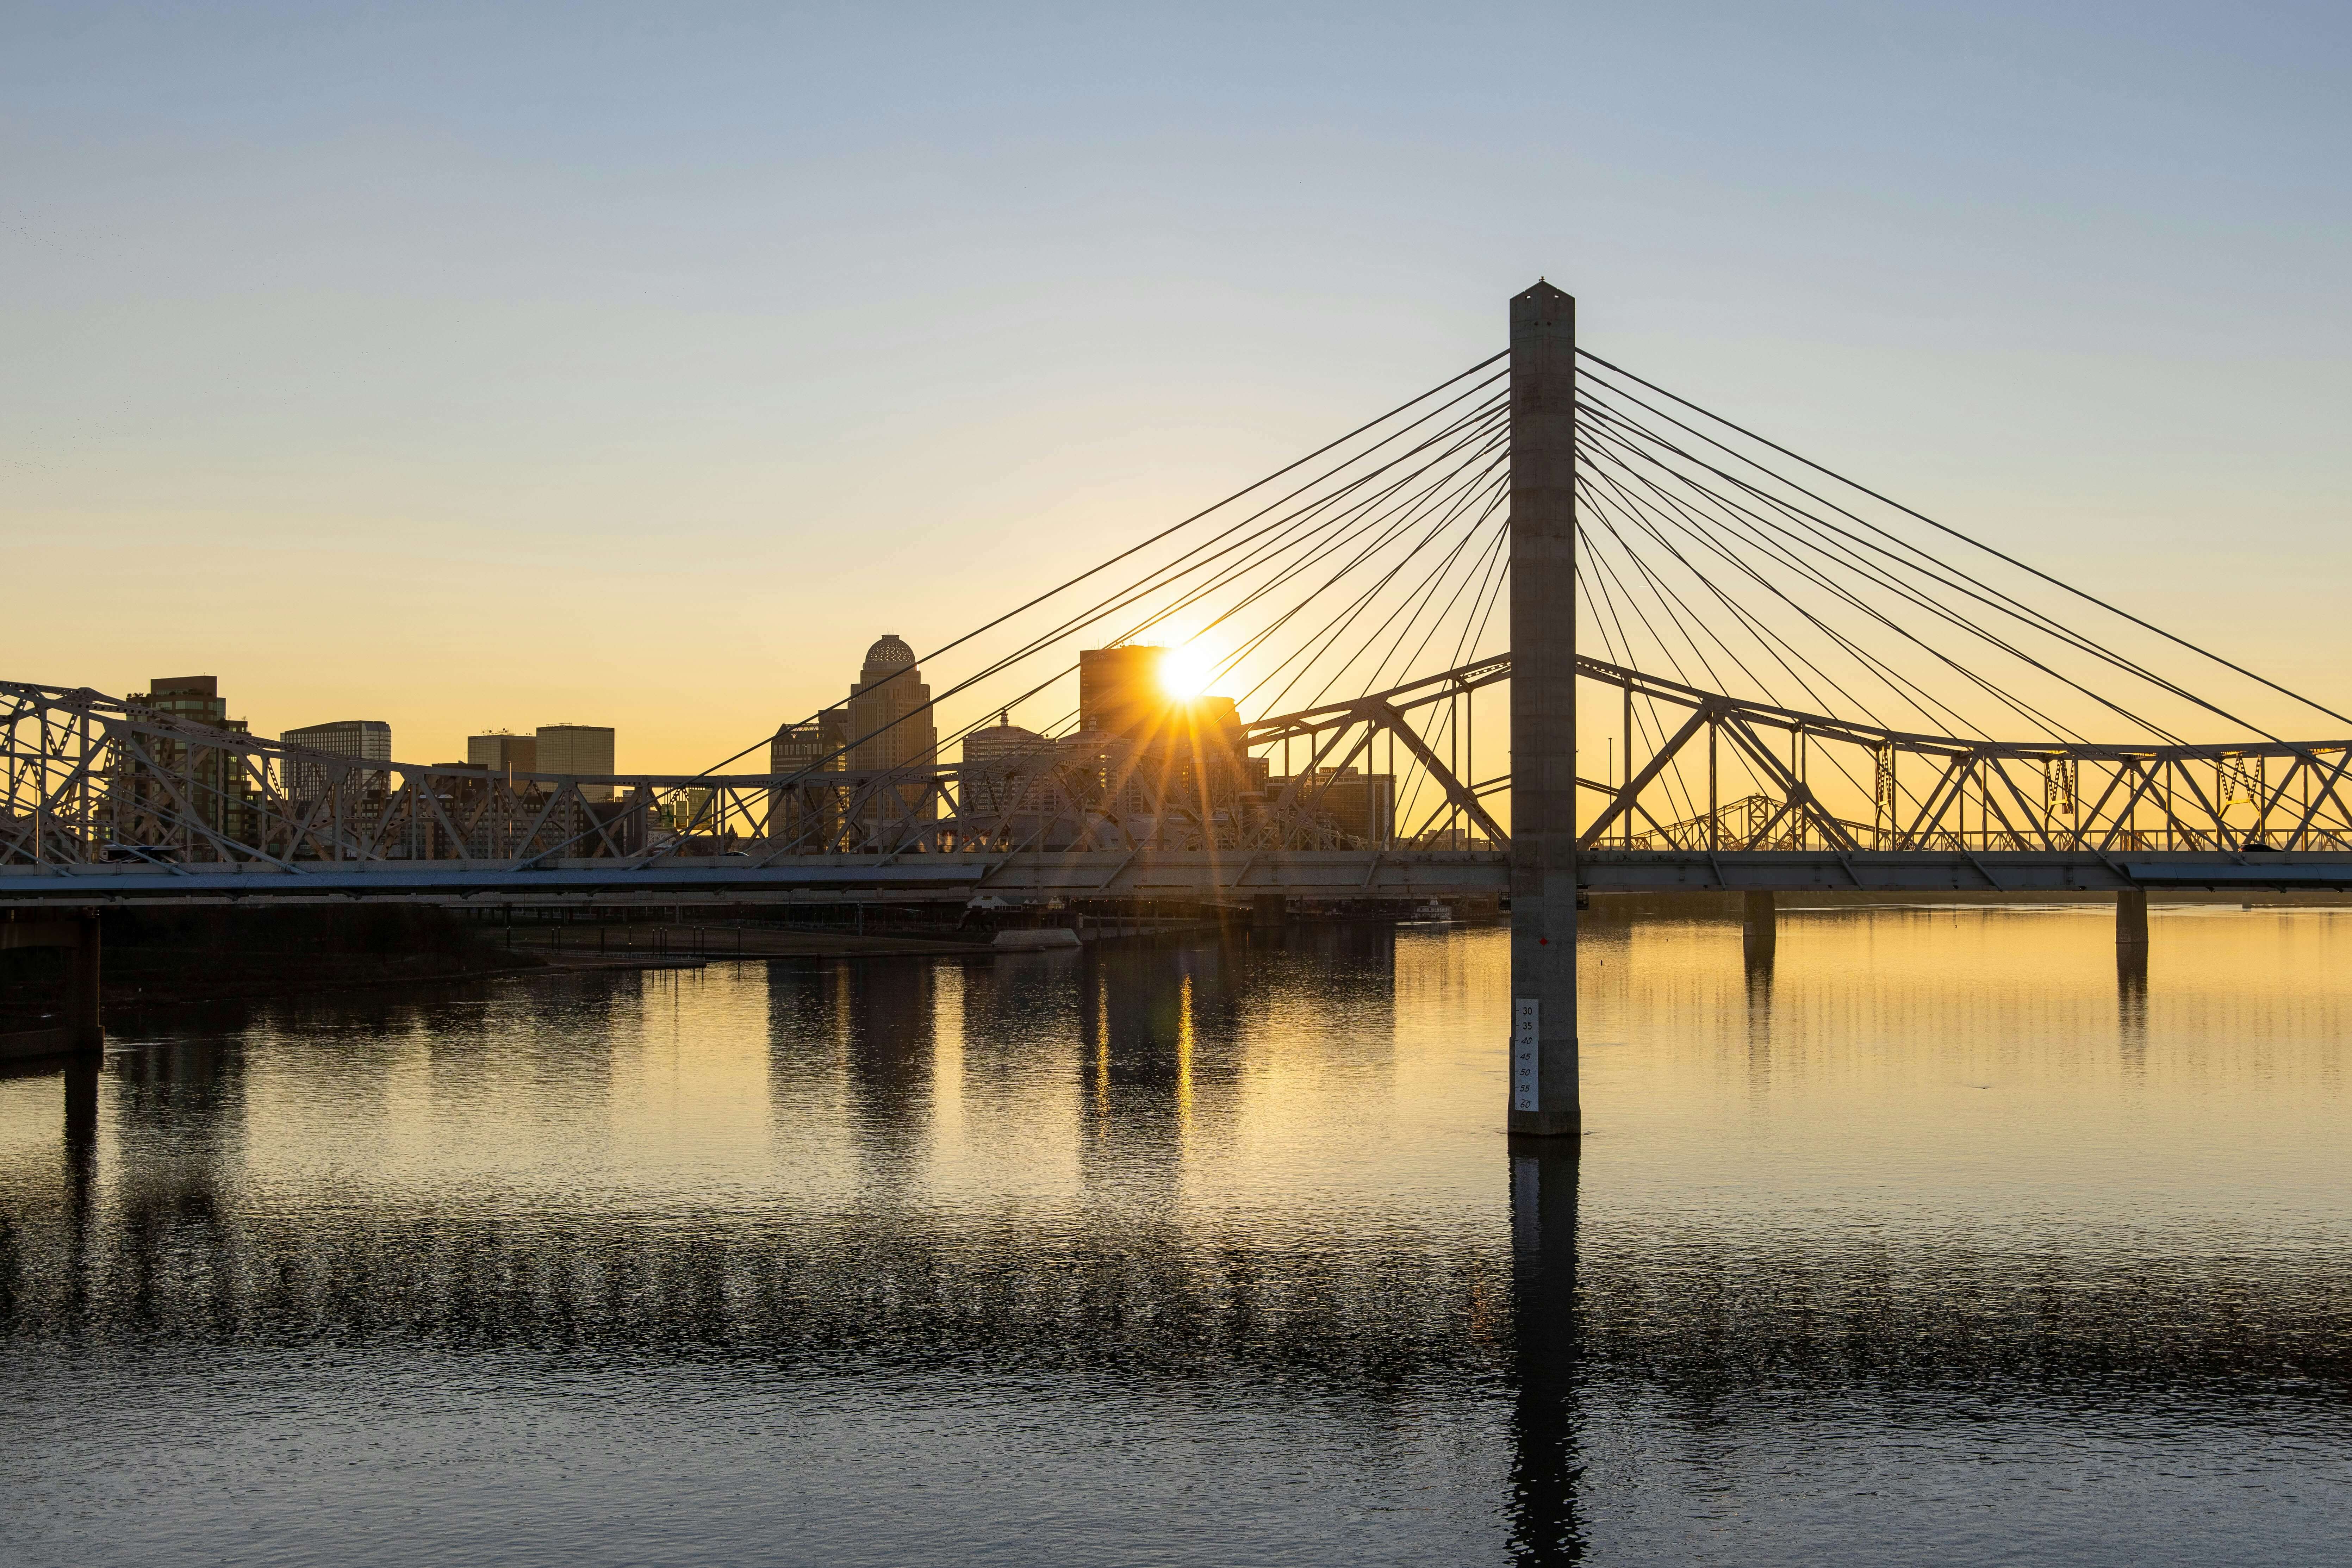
<point>1158,755</point>
<point>216,783</point>
<point>816,743</point>
<point>503,754</point>
<point>890,722</point>
<point>1359,805</point>
<point>993,760</point>
<point>807,820</point>
<point>195,697</point>
<point>577,749</point>
<point>368,740</point>
<point>1000,744</point>
<point>889,725</point>
<point>1119,690</point>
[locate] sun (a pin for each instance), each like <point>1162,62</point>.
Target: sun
<point>1185,671</point>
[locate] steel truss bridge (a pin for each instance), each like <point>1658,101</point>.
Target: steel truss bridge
<point>111,805</point>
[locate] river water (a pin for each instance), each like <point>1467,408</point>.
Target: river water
<point>1938,1239</point>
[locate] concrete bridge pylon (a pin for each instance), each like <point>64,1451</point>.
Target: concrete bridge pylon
<point>1542,551</point>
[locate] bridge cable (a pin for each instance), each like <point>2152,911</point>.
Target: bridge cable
<point>1966,538</point>
<point>2005,698</point>
<point>1178,527</point>
<point>1843,557</point>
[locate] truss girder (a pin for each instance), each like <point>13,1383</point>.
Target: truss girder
<point>1909,792</point>
<point>91,780</point>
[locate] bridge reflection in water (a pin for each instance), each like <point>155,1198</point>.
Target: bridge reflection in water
<point>1209,1252</point>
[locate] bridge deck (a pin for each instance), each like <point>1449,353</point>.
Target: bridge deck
<point>1152,873</point>
<point>806,878</point>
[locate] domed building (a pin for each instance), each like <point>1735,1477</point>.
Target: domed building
<point>890,652</point>
<point>890,720</point>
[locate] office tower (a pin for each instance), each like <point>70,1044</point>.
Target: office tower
<point>368,740</point>
<point>1119,691</point>
<point>890,722</point>
<point>993,760</point>
<point>1004,743</point>
<point>503,754</point>
<point>690,810</point>
<point>1360,806</point>
<point>194,697</point>
<point>218,785</point>
<point>577,749</point>
<point>816,743</point>
<point>807,821</point>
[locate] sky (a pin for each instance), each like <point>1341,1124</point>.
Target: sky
<point>471,367</point>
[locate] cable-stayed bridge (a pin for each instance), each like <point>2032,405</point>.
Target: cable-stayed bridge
<point>1545,628</point>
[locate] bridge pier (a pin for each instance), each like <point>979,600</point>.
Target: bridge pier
<point>1544,1101</point>
<point>84,1030</point>
<point>2131,922</point>
<point>1269,911</point>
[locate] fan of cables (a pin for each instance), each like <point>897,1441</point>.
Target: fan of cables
<point>1713,555</point>
<point>1381,555</point>
<point>1708,555</point>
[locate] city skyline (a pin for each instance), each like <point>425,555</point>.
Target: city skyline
<point>1176,673</point>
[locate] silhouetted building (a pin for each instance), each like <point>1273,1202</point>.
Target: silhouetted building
<point>689,810</point>
<point>1119,689</point>
<point>503,754</point>
<point>1000,744</point>
<point>194,697</point>
<point>890,726</point>
<point>1357,804</point>
<point>215,785</point>
<point>804,819</point>
<point>816,743</point>
<point>890,722</point>
<point>1175,767</point>
<point>365,739</point>
<point>577,749</point>
<point>995,761</point>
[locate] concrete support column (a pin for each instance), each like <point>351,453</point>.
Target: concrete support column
<point>2131,919</point>
<point>1544,1093</point>
<point>1269,911</point>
